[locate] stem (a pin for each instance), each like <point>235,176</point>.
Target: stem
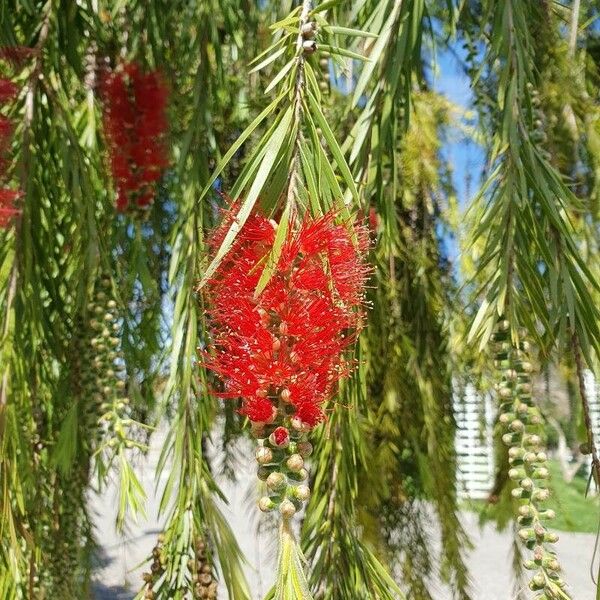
<point>298,96</point>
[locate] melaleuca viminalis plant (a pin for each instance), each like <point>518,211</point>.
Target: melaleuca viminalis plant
<point>49,258</point>
<point>284,294</point>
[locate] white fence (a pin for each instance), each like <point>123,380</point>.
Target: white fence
<point>592,389</point>
<point>474,445</point>
<point>474,442</point>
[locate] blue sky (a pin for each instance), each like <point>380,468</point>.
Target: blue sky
<point>465,157</point>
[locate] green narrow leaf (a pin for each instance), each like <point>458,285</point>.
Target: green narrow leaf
<point>272,149</point>
<point>334,147</point>
<point>336,30</point>
<point>238,143</point>
<point>275,253</point>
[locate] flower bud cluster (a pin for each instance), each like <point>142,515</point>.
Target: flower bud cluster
<point>522,424</point>
<point>105,379</point>
<point>102,376</point>
<point>202,580</point>
<point>281,465</point>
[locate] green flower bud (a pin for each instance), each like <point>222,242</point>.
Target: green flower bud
<point>264,455</point>
<point>517,425</point>
<point>276,481</point>
<point>287,509</point>
<point>266,504</point>
<point>302,492</point>
<point>295,462</point>
<point>541,495</point>
<point>527,484</point>
<point>526,534</point>
<point>300,475</point>
<point>551,563</point>
<point>516,474</point>
<point>541,473</point>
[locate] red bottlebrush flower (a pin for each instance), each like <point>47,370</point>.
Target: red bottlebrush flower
<point>7,206</point>
<point>282,352</point>
<point>8,210</point>
<point>8,90</point>
<point>135,123</point>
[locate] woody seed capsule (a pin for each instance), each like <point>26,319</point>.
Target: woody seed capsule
<point>309,46</point>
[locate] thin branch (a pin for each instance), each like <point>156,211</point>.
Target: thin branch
<point>298,95</point>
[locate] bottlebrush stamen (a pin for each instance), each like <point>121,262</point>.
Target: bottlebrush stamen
<point>135,123</point>
<point>282,352</point>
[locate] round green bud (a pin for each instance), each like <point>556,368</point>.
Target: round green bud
<point>276,481</point>
<point>295,462</point>
<point>266,504</point>
<point>287,509</point>
<point>264,455</point>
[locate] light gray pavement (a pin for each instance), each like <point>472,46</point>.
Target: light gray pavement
<point>118,574</point>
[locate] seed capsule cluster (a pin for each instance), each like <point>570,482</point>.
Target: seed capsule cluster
<point>307,33</point>
<point>156,568</point>
<point>105,381</point>
<point>281,459</point>
<point>205,585</point>
<point>521,421</point>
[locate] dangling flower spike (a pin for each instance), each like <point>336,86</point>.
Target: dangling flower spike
<point>282,351</point>
<point>135,124</point>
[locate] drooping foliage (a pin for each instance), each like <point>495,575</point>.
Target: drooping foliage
<point>119,124</point>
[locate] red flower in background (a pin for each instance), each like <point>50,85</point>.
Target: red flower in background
<point>8,92</point>
<point>282,352</point>
<point>7,206</point>
<point>135,123</point>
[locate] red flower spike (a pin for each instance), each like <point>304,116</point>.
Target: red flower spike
<point>284,349</point>
<point>135,123</point>
<point>8,197</point>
